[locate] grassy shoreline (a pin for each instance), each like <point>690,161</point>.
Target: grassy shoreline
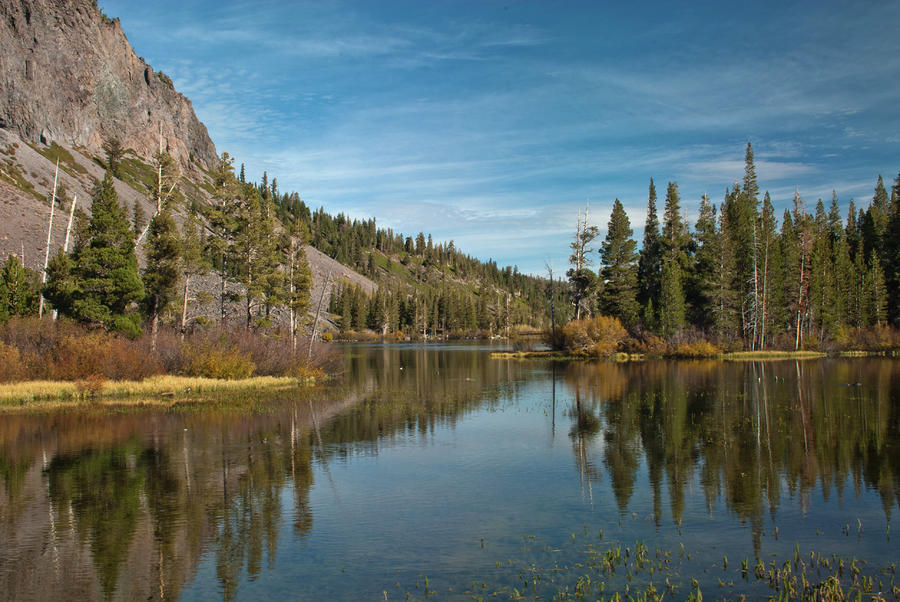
<point>162,390</point>
<point>735,356</point>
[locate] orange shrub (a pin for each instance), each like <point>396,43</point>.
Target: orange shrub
<point>89,386</point>
<point>699,348</point>
<point>11,366</point>
<point>598,336</point>
<point>211,361</point>
<point>78,357</point>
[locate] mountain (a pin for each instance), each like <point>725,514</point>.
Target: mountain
<point>70,75</point>
<point>72,82</point>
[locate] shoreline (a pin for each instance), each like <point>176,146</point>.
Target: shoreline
<point>156,391</point>
<point>735,356</point>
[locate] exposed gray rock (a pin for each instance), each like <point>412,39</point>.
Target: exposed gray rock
<point>69,74</point>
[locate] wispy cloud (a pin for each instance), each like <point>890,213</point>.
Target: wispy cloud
<point>493,125</point>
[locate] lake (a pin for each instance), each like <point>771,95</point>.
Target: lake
<point>438,472</point>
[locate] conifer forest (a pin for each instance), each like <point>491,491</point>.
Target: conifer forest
<point>741,276</point>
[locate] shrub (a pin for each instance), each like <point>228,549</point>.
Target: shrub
<point>598,336</point>
<point>212,361</point>
<point>131,360</point>
<point>11,366</point>
<point>327,337</point>
<point>699,348</point>
<point>90,385</point>
<point>78,357</point>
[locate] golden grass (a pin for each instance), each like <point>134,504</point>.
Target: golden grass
<point>772,355</point>
<point>161,389</point>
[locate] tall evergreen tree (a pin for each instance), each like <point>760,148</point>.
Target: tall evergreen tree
<point>163,269</point>
<point>770,282</point>
<point>650,256</point>
<point>102,280</point>
<point>671,307</point>
<point>193,263</point>
<point>617,253</point>
<point>18,289</point>
<point>701,282</point>
<point>675,239</point>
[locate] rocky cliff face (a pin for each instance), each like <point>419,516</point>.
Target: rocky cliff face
<point>68,74</point>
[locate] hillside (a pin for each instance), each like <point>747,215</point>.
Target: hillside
<point>101,90</point>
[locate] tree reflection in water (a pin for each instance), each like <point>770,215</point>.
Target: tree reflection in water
<point>124,505</point>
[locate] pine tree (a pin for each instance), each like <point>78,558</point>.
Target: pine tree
<point>161,274</point>
<point>671,309</point>
<point>193,263</point>
<point>299,278</point>
<point>255,251</point>
<point>877,293</point>
<point>769,272</point>
<point>890,261</point>
<point>675,239</point>
<point>18,289</point>
<point>139,218</point>
<point>114,153</point>
<point>102,280</point>
<point>875,224</point>
<point>650,256</point>
<point>617,253</point>
<point>726,299</point>
<point>702,284</point>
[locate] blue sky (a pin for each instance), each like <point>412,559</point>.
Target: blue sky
<point>494,123</point>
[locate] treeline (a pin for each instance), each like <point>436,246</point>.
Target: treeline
<point>448,311</point>
<point>741,278</point>
<point>98,282</point>
<point>424,287</point>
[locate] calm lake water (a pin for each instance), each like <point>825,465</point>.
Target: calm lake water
<point>438,472</point>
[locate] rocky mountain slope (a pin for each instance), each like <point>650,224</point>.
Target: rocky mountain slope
<point>68,74</point>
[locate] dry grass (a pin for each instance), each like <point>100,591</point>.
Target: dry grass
<point>772,355</point>
<point>166,389</point>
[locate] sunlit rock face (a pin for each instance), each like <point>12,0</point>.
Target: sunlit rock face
<point>68,74</point>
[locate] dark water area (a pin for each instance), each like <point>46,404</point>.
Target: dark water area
<point>439,472</point>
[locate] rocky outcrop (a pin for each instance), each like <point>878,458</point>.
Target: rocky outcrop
<point>69,74</point>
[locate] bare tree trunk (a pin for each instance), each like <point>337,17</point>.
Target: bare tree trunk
<point>66,242</point>
<point>154,326</point>
<point>312,337</point>
<point>755,316</point>
<point>249,298</point>
<point>49,234</point>
<point>765,291</point>
<point>222,294</point>
<point>293,310</point>
<point>159,175</point>
<point>799,305</point>
<point>184,305</point>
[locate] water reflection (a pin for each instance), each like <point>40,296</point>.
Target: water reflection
<point>748,431</point>
<point>122,505</point>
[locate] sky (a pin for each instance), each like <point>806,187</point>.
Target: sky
<point>493,124</point>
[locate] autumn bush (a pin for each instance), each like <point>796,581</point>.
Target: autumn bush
<point>216,361</point>
<point>598,336</point>
<point>12,368</point>
<point>696,349</point>
<point>875,338</point>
